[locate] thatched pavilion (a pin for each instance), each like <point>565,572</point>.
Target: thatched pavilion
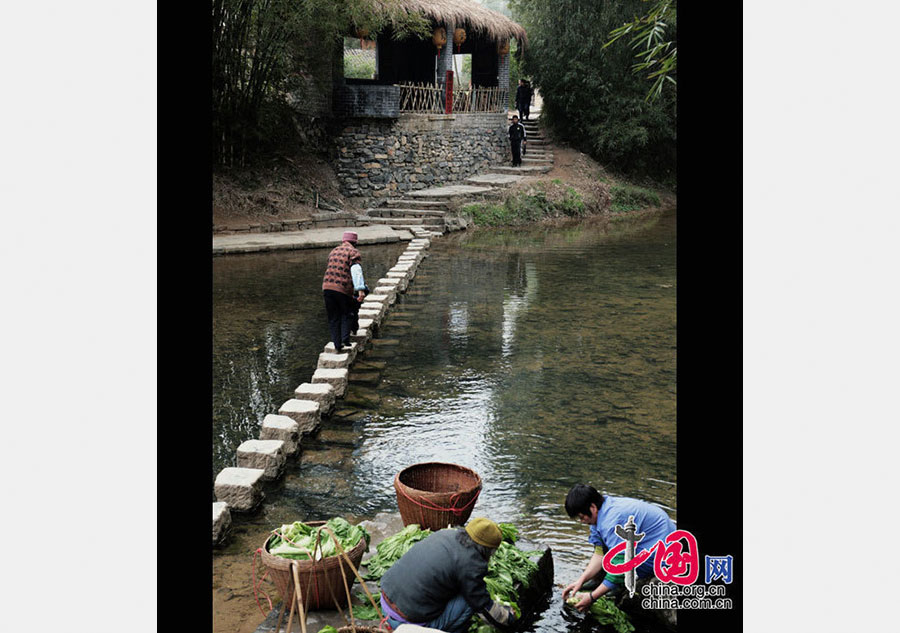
<point>396,133</point>
<point>416,69</point>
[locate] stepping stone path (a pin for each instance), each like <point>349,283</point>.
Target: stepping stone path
<point>422,214</point>
<point>426,212</point>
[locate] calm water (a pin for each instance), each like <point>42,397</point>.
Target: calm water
<point>539,358</point>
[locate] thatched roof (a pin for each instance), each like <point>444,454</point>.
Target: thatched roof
<point>469,15</point>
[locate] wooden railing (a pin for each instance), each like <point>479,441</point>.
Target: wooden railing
<point>430,98</point>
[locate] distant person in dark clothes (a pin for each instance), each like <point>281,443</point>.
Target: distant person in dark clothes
<point>523,99</point>
<point>439,582</point>
<point>516,139</point>
<point>344,289</point>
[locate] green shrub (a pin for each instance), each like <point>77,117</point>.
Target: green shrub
<point>631,198</point>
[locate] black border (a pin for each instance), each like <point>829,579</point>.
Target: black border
<point>709,453</point>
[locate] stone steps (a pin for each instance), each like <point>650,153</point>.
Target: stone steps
<point>390,212</point>
<point>449,192</point>
<point>524,169</point>
<point>400,203</point>
<point>495,179</point>
<point>406,222</point>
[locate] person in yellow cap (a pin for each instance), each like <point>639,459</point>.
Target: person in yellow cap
<point>439,582</point>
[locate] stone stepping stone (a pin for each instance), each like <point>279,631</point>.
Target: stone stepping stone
<point>307,413</point>
<point>371,365</point>
<point>221,522</point>
<point>362,336</point>
<point>267,455</point>
<point>321,392</point>
<point>354,349</point>
<point>371,315</point>
<point>337,378</point>
<point>370,378</point>
<point>330,361</point>
<point>240,488</point>
<point>281,427</point>
<point>385,342</point>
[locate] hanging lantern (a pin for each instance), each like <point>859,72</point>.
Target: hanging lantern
<point>503,47</point>
<point>439,37</point>
<point>459,36</point>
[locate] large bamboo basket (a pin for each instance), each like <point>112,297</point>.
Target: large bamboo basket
<point>321,582</point>
<point>436,495</point>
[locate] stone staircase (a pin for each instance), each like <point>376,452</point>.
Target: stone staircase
<point>426,212</point>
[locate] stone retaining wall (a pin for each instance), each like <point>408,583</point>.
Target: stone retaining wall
<point>240,489</point>
<point>323,220</point>
<point>387,157</point>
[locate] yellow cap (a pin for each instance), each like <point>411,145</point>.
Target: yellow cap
<point>484,532</point>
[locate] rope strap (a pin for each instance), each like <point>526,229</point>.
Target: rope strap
<point>256,585</point>
<point>454,498</point>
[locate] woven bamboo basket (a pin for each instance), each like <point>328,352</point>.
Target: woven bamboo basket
<point>321,582</point>
<point>436,495</point>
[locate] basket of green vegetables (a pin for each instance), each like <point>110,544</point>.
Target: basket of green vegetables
<point>317,548</point>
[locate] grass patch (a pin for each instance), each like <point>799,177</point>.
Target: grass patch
<point>540,201</point>
<point>632,198</point>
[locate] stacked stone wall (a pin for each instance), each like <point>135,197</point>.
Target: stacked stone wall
<point>386,157</point>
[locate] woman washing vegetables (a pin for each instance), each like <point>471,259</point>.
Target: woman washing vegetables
<point>439,582</point>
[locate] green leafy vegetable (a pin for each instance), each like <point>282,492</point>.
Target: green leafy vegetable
<point>509,531</point>
<point>508,570</point>
<point>605,612</point>
<point>391,549</point>
<point>366,611</point>
<point>328,629</point>
<point>298,541</point>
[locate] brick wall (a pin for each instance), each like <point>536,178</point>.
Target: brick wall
<point>363,100</point>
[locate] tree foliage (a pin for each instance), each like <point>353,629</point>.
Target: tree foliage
<point>256,44</point>
<point>651,37</point>
<point>591,97</point>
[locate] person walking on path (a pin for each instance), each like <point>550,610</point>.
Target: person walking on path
<point>343,279</point>
<point>523,99</point>
<point>516,138</point>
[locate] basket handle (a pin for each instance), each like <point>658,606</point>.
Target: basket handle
<point>300,613</point>
<point>362,583</point>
